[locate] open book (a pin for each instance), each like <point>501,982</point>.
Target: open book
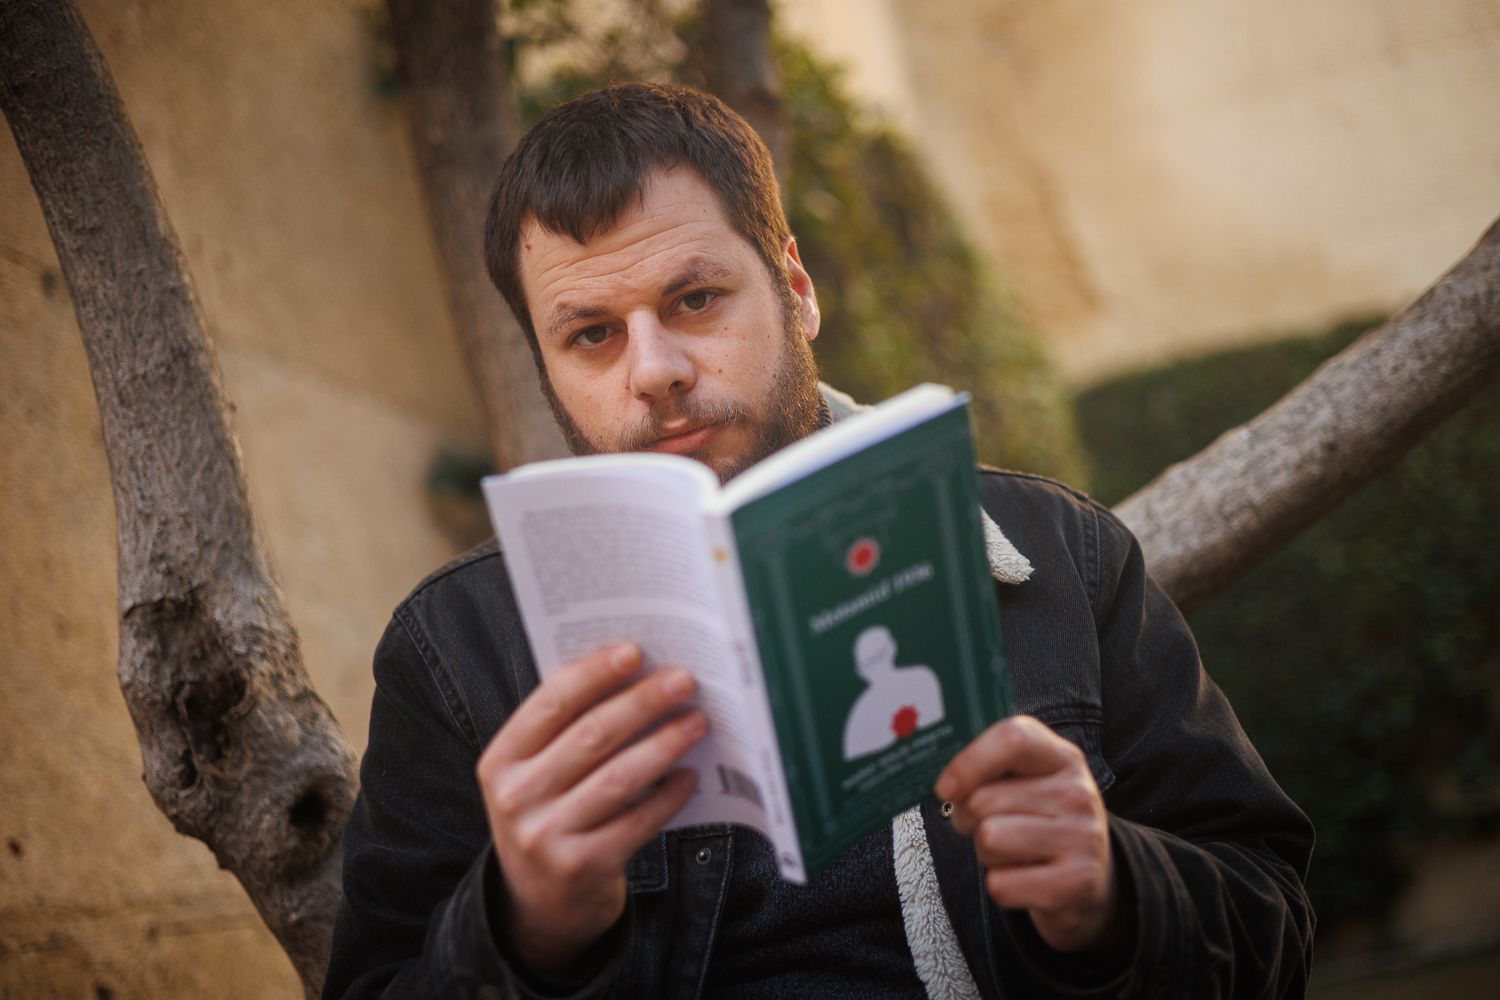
<point>833,601</point>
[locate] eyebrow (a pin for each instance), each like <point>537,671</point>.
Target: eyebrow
<point>568,317</point>
<point>695,272</point>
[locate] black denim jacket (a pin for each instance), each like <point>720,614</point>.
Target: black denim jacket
<point>1212,854</point>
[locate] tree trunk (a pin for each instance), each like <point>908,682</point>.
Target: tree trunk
<point>1206,521</point>
<point>238,750</point>
<point>463,122</point>
<point>739,67</point>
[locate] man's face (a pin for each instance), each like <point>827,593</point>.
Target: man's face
<point>667,333</point>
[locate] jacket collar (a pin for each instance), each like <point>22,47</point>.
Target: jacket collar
<point>1007,564</point>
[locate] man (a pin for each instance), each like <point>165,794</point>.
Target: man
<point>1120,839</point>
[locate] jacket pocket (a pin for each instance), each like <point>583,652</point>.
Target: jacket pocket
<point>646,871</point>
<point>1079,724</point>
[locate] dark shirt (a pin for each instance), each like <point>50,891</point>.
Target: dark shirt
<point>840,936</point>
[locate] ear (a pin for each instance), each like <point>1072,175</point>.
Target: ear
<point>802,287</point>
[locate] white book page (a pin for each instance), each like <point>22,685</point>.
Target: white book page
<point>613,549</point>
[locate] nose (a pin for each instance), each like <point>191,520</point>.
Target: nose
<point>660,364</point>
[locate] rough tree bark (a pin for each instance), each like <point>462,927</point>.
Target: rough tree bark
<point>463,123</point>
<point>739,67</point>
<point>1206,521</point>
<point>238,750</point>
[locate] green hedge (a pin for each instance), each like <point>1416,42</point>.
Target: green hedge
<point>1364,659</point>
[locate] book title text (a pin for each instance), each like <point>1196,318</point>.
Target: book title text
<point>898,582</point>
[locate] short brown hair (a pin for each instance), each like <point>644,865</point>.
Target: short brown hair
<point>578,167</point>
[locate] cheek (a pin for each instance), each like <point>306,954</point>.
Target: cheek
<point>579,397</point>
<point>591,408</point>
<point>573,382</point>
<point>746,357</point>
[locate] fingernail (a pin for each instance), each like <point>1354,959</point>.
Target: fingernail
<point>677,683</point>
<point>946,787</point>
<point>622,655</point>
<point>696,725</point>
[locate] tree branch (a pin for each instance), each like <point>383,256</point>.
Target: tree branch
<point>462,119</point>
<point>739,67</point>
<point>238,750</point>
<point>1206,521</point>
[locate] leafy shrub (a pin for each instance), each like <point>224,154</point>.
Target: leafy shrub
<point>1364,659</point>
<point>904,296</point>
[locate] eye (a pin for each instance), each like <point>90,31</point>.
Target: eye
<point>697,301</point>
<point>590,336</point>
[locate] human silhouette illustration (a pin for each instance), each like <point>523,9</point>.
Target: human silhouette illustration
<point>898,702</point>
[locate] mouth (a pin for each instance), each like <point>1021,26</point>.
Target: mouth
<point>687,440</point>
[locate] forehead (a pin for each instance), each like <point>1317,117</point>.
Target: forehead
<point>676,222</point>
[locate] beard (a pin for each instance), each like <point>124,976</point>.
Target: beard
<point>791,410</point>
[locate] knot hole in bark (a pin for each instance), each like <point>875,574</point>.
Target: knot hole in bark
<point>205,707</point>
<point>309,812</point>
<point>314,820</point>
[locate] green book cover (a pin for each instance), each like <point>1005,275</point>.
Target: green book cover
<point>875,618</point>
<point>833,602</point>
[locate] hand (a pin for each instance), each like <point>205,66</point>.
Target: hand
<point>1026,797</point>
<point>570,798</point>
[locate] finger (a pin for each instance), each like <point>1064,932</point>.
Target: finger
<point>1008,796</point>
<point>1019,746</point>
<point>1007,841</point>
<point>1070,792</point>
<point>600,732</point>
<point>617,840</point>
<point>616,785</point>
<point>561,698</point>
<point>1048,888</point>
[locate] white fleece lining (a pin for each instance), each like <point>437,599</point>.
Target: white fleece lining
<point>934,947</point>
<point>1006,563</point>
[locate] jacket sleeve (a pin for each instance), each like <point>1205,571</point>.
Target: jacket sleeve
<point>1211,852</point>
<point>422,890</point>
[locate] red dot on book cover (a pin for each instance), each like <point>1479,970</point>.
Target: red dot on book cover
<point>904,722</point>
<point>862,557</point>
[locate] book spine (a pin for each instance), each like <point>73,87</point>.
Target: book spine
<point>772,774</point>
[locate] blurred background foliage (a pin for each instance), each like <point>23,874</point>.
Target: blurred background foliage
<point>905,298</point>
<point>1364,659</point>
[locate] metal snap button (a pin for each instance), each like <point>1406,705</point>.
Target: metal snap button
<point>704,856</point>
<point>947,809</point>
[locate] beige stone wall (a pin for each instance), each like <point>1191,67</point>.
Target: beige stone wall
<point>287,176</point>
<point>1163,177</point>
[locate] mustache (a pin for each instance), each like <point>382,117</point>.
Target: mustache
<point>695,412</point>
